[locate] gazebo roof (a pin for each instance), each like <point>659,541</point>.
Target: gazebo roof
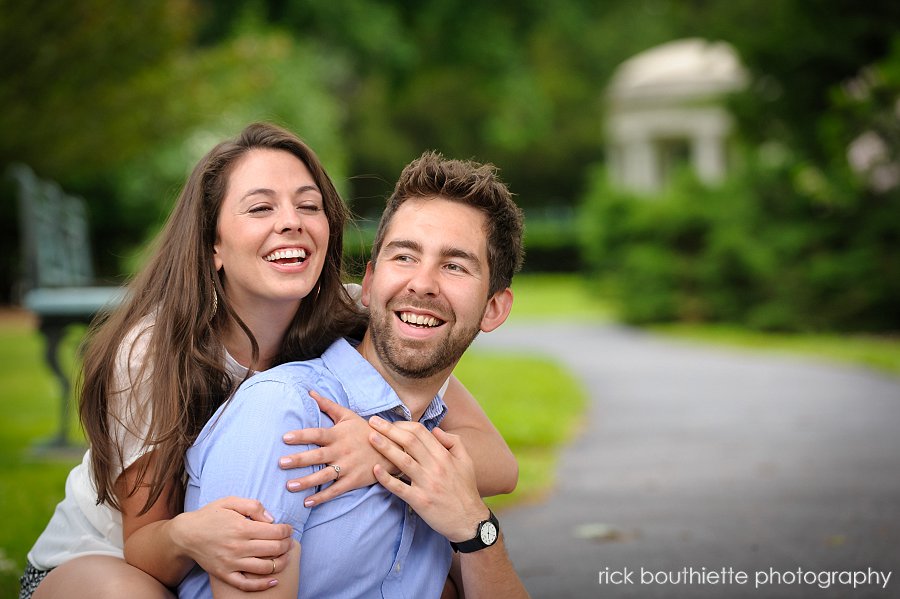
<point>679,70</point>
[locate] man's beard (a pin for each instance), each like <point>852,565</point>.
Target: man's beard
<point>418,359</point>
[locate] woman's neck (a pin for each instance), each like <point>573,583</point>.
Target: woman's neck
<point>268,329</point>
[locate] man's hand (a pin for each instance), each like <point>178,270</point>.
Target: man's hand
<point>442,487</point>
<point>345,444</point>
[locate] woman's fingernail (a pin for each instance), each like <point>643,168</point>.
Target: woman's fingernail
<point>268,516</point>
<point>288,437</point>
<point>375,438</point>
<point>377,420</point>
<point>284,462</point>
<point>273,582</point>
<point>309,503</point>
<point>292,486</point>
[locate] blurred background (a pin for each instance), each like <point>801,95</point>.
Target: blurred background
<point>722,169</point>
<point>778,211</point>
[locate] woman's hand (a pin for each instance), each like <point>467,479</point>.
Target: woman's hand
<point>232,538</point>
<point>346,445</point>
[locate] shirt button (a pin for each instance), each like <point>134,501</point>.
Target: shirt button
<point>409,510</point>
<point>397,568</point>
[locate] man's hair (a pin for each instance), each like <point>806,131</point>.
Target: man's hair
<point>477,185</point>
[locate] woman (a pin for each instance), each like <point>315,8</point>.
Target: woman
<point>189,332</point>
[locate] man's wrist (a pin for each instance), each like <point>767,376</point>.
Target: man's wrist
<point>486,534</point>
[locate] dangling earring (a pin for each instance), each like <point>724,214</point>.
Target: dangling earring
<point>215,303</point>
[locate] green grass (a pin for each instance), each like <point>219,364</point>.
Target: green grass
<point>30,484</point>
<point>536,405</point>
<point>876,352</point>
<point>557,297</point>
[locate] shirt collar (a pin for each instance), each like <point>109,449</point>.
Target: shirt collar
<point>367,391</point>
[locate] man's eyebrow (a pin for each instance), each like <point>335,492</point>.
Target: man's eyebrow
<point>404,244</point>
<point>453,252</point>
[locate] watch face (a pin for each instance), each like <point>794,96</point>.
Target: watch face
<point>488,533</point>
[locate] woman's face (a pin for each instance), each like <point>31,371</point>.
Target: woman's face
<point>272,234</point>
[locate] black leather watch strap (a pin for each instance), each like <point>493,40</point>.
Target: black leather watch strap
<point>486,534</point>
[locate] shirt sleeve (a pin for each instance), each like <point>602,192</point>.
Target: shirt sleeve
<point>237,454</point>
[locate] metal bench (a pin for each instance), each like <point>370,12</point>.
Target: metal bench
<point>58,279</point>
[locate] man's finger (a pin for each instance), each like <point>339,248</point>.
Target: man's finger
<point>412,437</point>
<point>393,484</point>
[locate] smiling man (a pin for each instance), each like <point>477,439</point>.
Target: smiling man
<point>443,259</point>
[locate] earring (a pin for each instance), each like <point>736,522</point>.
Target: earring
<point>215,304</point>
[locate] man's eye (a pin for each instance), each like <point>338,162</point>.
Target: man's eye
<point>455,267</point>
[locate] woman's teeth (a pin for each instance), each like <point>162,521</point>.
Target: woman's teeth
<point>291,255</point>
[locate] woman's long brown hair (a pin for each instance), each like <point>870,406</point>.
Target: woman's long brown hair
<point>182,378</point>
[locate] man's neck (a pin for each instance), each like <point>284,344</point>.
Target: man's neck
<point>415,393</point>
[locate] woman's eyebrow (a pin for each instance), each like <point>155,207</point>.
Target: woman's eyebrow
<point>271,192</point>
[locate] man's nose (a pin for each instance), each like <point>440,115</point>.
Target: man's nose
<point>424,280</point>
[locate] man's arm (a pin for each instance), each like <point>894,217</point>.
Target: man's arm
<point>442,491</point>
<point>223,537</point>
<point>237,456</point>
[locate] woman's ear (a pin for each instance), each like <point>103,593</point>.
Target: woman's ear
<point>497,309</point>
<point>217,262</point>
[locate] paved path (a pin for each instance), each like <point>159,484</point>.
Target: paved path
<point>701,457</point>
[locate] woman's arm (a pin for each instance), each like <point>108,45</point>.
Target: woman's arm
<point>496,468</point>
<point>346,444</point>
<point>222,537</point>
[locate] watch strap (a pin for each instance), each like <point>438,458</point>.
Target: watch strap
<point>476,543</point>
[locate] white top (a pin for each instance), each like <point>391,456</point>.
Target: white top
<point>80,526</point>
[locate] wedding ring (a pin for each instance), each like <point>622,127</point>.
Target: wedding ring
<point>337,471</point>
<point>273,568</point>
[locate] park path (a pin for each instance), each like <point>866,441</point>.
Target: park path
<point>702,457</point>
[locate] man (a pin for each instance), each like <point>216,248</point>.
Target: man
<point>443,259</point>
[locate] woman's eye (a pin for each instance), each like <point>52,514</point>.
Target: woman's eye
<point>261,208</point>
<point>309,208</point>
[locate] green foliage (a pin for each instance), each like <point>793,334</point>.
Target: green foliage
<point>779,247</point>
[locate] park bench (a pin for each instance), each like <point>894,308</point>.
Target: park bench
<point>58,279</point>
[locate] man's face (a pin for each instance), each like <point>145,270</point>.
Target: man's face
<point>428,294</point>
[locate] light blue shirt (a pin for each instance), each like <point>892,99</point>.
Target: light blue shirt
<point>365,543</point>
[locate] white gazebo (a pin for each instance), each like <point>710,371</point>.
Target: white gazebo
<point>665,110</point>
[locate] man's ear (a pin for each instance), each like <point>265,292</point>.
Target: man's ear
<point>497,310</point>
<point>367,284</point>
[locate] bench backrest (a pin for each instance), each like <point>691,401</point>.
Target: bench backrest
<point>54,231</point>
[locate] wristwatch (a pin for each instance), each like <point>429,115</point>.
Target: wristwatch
<point>486,534</point>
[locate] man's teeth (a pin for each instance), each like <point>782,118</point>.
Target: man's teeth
<point>286,255</point>
<point>419,319</point>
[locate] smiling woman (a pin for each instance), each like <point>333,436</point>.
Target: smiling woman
<point>270,242</point>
